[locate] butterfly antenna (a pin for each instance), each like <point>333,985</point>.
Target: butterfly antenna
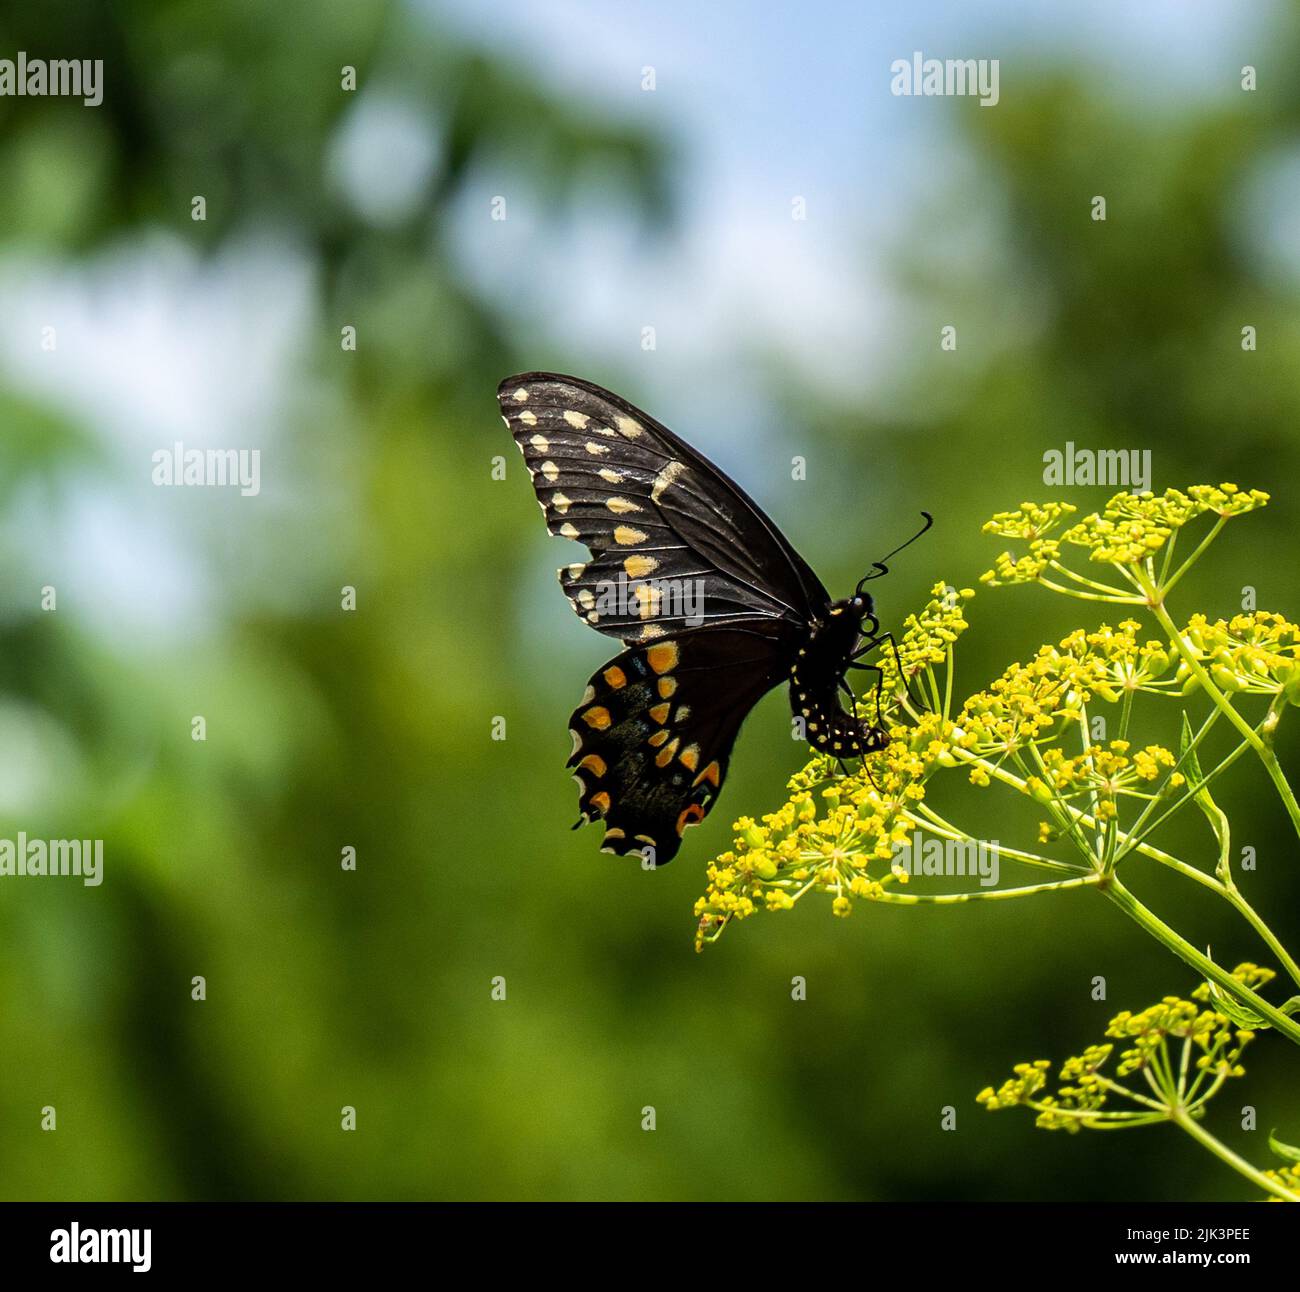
<point>879,567</point>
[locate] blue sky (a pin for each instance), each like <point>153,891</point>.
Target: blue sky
<point>773,100</point>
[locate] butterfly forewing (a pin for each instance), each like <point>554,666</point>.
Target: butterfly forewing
<point>652,511</point>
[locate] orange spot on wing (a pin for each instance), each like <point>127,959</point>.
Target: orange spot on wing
<point>665,755</point>
<point>615,676</point>
<point>597,717</point>
<point>662,657</point>
<point>690,815</point>
<point>711,773</point>
<point>595,764</point>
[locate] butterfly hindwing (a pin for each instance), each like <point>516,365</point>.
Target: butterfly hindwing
<point>653,735</point>
<point>675,543</point>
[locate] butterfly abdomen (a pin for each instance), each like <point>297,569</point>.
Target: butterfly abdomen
<point>817,683</point>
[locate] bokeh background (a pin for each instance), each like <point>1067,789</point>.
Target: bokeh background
<point>626,208</point>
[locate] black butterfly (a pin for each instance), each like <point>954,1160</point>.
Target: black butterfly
<point>713,603</point>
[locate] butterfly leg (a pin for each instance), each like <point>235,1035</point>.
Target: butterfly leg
<point>876,640</point>
<point>879,687</point>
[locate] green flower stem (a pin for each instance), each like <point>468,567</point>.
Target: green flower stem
<point>1114,598</point>
<point>1146,849</point>
<point>1087,583</point>
<point>1188,753</point>
<point>925,817</point>
<point>1233,896</point>
<point>1185,1121</point>
<point>1138,834</point>
<point>1206,967</point>
<point>1262,748</point>
<point>988,895</point>
<point>1169,584</point>
<point>1228,891</point>
<point>1126,712</point>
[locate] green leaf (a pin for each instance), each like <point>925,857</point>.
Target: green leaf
<point>1288,1152</point>
<point>1241,1015</point>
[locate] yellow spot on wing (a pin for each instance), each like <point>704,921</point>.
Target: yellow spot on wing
<point>550,470</point>
<point>637,567</point>
<point>667,685</point>
<point>621,506</point>
<point>626,536</point>
<point>663,657</point>
<point>596,449</point>
<point>665,478</point>
<point>520,395</point>
<point>629,426</point>
<point>611,477</point>
<point>597,717</point>
<point>561,502</point>
<point>569,530</point>
<point>649,631</point>
<point>528,417</point>
<point>648,600</point>
<point>577,420</point>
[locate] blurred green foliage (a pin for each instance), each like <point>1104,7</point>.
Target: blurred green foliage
<point>371,729</point>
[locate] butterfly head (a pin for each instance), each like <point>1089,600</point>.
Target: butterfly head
<point>861,604</point>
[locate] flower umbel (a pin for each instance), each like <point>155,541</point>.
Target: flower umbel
<point>1061,727</point>
<point>1180,1054</point>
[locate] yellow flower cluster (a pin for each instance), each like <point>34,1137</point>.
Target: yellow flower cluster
<point>1033,522</point>
<point>1083,1087</point>
<point>1104,773</point>
<point>1028,703</point>
<point>823,839</point>
<point>1132,527</point>
<point>1116,661</point>
<point>1128,530</point>
<point>926,638</point>
<point>1288,1177</point>
<point>1257,653</point>
<point>1127,541</point>
<point>1180,1020</point>
<point>1226,499</point>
